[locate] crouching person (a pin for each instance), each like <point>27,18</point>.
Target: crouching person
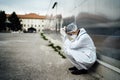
<point>79,48</point>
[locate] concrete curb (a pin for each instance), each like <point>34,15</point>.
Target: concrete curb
<point>56,42</point>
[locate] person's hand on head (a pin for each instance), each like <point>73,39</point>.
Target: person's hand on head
<point>62,31</point>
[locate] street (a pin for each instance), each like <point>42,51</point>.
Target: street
<point>27,57</point>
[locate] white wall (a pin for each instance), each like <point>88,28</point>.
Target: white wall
<point>38,24</point>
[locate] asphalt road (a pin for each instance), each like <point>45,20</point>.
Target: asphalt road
<point>27,57</point>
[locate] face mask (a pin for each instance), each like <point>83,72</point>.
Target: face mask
<point>73,36</point>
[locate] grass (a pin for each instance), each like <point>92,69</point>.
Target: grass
<point>43,36</point>
<point>58,47</point>
<point>55,48</point>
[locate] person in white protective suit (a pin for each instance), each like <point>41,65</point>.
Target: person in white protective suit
<point>79,48</point>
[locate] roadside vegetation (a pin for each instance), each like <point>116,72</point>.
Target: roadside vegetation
<point>53,46</point>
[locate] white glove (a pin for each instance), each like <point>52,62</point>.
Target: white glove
<point>62,32</point>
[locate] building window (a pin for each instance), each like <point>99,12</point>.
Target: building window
<point>28,25</point>
<point>42,25</point>
<point>31,25</point>
<point>35,25</point>
<point>39,25</point>
<point>24,25</point>
<point>42,20</point>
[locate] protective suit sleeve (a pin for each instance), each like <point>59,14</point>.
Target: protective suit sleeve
<point>81,42</point>
<point>66,45</point>
<point>62,32</point>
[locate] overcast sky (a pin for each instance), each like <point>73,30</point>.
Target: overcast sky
<point>24,6</point>
<point>42,7</point>
<point>110,8</point>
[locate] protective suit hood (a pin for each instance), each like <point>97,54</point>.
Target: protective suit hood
<point>82,31</point>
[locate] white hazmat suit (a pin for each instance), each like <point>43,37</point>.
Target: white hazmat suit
<point>80,51</point>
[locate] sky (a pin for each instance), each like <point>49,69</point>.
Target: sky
<point>110,8</point>
<point>24,6</point>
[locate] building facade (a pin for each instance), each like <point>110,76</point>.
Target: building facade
<point>33,20</point>
<point>40,22</point>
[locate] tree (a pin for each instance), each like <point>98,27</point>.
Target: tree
<point>2,21</point>
<point>15,22</point>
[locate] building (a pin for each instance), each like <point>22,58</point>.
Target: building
<point>39,22</point>
<point>32,20</point>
